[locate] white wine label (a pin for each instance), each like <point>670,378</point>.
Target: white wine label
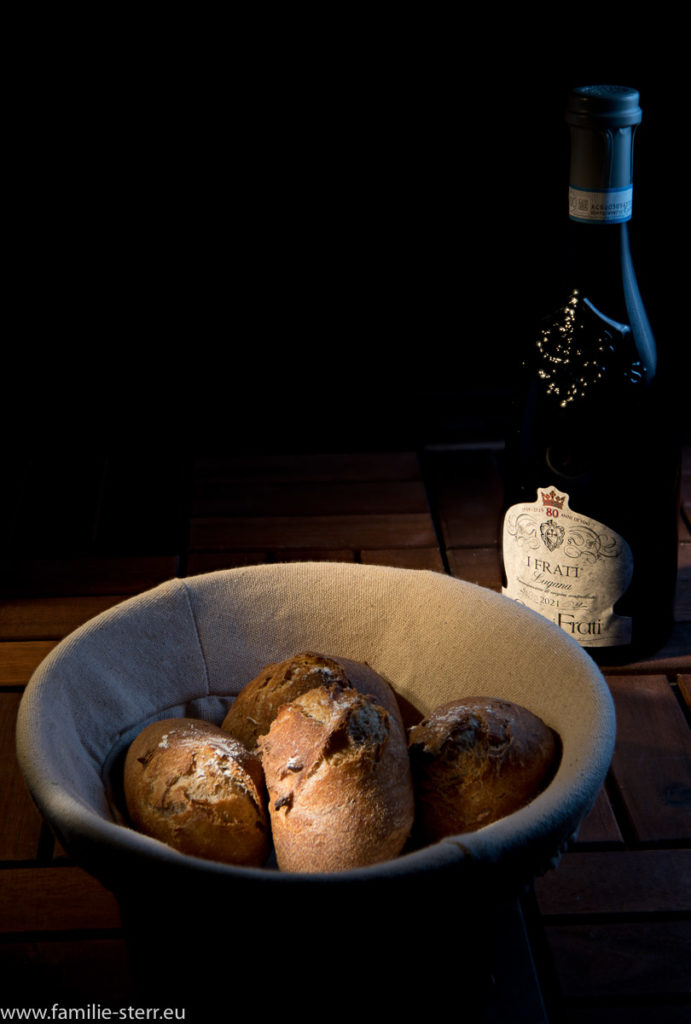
<point>611,206</point>
<point>568,567</point>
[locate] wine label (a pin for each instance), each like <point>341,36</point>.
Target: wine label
<point>568,567</point>
<point>610,206</point>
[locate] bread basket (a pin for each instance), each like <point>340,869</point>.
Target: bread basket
<point>187,646</point>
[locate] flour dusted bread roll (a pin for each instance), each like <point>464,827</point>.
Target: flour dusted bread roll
<point>476,760</point>
<point>191,785</point>
<point>338,777</point>
<point>255,707</point>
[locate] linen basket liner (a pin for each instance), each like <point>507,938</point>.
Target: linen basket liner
<point>187,646</point>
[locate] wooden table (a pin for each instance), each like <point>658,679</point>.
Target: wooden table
<point>605,937</point>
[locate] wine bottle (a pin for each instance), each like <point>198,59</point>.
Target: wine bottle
<point>591,463</point>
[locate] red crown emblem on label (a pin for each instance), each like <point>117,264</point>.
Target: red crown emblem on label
<point>552,499</point>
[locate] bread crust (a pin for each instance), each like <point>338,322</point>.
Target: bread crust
<point>195,787</point>
<point>339,782</point>
<point>476,760</point>
<point>257,704</point>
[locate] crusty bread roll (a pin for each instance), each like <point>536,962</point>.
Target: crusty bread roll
<point>339,783</point>
<point>476,760</point>
<point>195,787</point>
<point>255,707</point>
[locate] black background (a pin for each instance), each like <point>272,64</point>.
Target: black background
<point>315,233</point>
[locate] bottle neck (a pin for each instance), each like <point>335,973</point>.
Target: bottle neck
<point>602,158</point>
<point>601,175</point>
<point>597,254</point>
<point>600,208</point>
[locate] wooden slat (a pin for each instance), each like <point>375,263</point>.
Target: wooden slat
<point>652,758</point>
<point>18,660</point>
<point>413,530</point>
<point>685,528</point>
<point>311,555</point>
<point>682,603</point>
<point>300,498</point>
<point>476,565</point>
<point>21,822</point>
<point>600,826</point>
<point>674,656</point>
<point>685,497</point>
<point>684,685</point>
<point>631,881</point>
<point>465,490</point>
<point>54,899</point>
<point>49,618</point>
<point>405,558</point>
<point>615,961</point>
<point>199,562</point>
<point>212,561</point>
<point>85,576</point>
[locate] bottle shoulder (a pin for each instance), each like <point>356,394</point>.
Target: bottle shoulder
<point>580,354</point>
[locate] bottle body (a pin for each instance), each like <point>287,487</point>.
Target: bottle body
<point>589,536</point>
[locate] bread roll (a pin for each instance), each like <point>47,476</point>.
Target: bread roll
<point>256,705</point>
<point>339,782</point>
<point>476,760</point>
<point>191,785</point>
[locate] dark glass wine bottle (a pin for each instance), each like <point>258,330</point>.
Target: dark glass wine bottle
<point>589,536</point>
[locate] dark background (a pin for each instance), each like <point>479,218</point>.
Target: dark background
<point>316,235</point>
